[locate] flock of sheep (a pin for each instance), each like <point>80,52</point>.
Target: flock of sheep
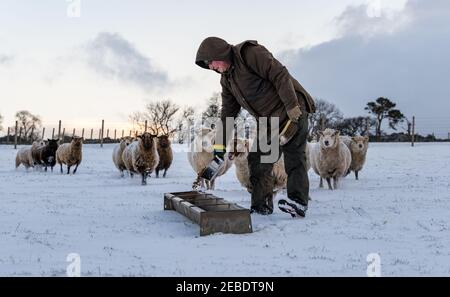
<point>47,153</point>
<point>331,157</point>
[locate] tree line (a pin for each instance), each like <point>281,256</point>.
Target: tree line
<point>168,118</point>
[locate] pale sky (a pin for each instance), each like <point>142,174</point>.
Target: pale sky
<point>119,55</point>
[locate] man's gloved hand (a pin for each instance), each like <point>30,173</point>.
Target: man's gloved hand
<point>219,151</point>
<point>294,113</point>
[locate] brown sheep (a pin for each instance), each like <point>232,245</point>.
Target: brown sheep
<point>70,154</point>
<point>165,154</point>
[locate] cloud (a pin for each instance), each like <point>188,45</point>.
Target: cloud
<point>403,57</point>
<point>113,56</point>
<point>5,59</point>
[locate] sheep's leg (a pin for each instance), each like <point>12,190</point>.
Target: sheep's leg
<point>122,175</point>
<point>321,183</point>
<point>76,167</point>
<point>356,175</point>
<point>45,168</point>
<point>61,167</point>
<point>51,168</point>
<point>212,184</point>
<point>165,172</point>
<point>68,169</point>
<point>335,183</point>
<point>131,174</point>
<point>144,178</point>
<point>329,183</point>
<point>157,173</point>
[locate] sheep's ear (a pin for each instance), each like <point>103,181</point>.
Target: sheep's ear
<point>366,138</point>
<point>354,138</point>
<point>337,133</point>
<point>154,135</point>
<point>320,133</point>
<point>139,136</point>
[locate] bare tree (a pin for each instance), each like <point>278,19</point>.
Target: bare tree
<point>185,123</point>
<point>326,115</point>
<point>355,126</point>
<point>29,123</point>
<point>137,119</point>
<point>159,115</point>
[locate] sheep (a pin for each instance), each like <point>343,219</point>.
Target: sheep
<point>24,155</point>
<point>330,158</point>
<point>70,154</point>
<point>141,156</point>
<point>165,154</point>
<point>47,153</point>
<point>200,156</point>
<point>242,149</point>
<point>358,146</point>
<point>118,151</point>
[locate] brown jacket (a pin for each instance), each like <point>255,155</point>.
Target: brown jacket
<point>255,81</point>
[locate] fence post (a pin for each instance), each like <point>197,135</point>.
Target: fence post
<point>15,135</point>
<point>130,133</point>
<point>103,129</point>
<point>115,131</point>
<point>82,133</point>
<point>73,134</point>
<point>145,126</point>
<point>20,135</point>
<point>7,136</point>
<point>107,133</point>
<point>43,133</point>
<point>92,133</point>
<point>59,129</point>
<point>63,134</point>
<point>123,133</point>
<point>413,130</point>
<point>53,133</point>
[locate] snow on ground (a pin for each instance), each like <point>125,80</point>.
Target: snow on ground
<point>399,208</point>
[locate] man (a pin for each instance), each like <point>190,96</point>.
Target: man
<point>253,79</point>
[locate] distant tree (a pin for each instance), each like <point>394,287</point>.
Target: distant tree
<point>355,126</point>
<point>29,123</point>
<point>213,109</point>
<point>160,117</point>
<point>383,108</point>
<point>326,115</point>
<point>185,123</point>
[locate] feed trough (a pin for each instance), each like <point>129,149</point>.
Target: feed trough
<point>211,213</point>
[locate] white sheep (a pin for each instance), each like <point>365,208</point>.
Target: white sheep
<point>330,158</point>
<point>70,154</point>
<point>118,151</point>
<point>141,156</point>
<point>201,154</point>
<point>358,146</point>
<point>24,155</point>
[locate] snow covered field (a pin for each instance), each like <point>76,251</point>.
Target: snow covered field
<point>400,208</point>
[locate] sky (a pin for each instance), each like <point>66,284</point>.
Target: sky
<point>83,61</point>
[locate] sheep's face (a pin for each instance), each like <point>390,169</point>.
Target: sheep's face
<point>164,141</point>
<point>329,138</point>
<point>53,144</point>
<point>127,140</point>
<point>77,142</point>
<point>147,140</point>
<point>359,143</point>
<point>204,140</point>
